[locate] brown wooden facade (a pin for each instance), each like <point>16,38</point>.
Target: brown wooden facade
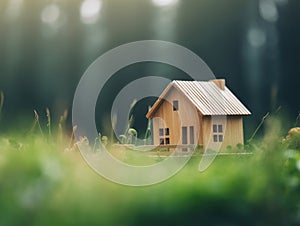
<point>176,121</point>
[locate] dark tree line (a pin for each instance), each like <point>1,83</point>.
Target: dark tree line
<point>43,56</point>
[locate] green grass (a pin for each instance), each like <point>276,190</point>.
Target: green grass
<point>42,183</point>
<point>133,157</point>
<point>45,181</point>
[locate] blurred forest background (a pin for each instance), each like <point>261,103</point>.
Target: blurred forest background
<point>45,47</point>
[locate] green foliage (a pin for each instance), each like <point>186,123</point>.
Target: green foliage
<point>48,121</point>
<point>61,126</point>
<point>199,148</point>
<point>37,123</point>
<point>229,148</point>
<point>163,150</point>
<point>123,138</point>
<point>132,136</point>
<point>293,138</point>
<point>45,183</point>
<point>104,140</point>
<point>264,118</point>
<point>240,147</point>
<point>148,130</point>
<point>42,184</point>
<point>132,132</point>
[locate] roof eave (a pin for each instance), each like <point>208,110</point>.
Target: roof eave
<point>158,102</point>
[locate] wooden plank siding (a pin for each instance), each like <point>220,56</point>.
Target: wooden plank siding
<point>233,130</point>
<point>165,117</point>
<point>199,104</point>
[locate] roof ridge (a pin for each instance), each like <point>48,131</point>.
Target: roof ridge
<point>207,97</point>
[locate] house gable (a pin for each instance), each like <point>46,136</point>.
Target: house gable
<point>185,110</point>
<point>165,117</point>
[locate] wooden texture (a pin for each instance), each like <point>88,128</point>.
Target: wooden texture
<point>165,117</point>
<point>232,130</point>
<point>201,105</point>
<point>220,83</point>
<point>207,97</point>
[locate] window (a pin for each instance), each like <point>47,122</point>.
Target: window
<point>215,128</point>
<point>215,138</point>
<point>218,133</point>
<point>167,131</point>
<point>220,138</point>
<point>192,135</point>
<point>184,135</point>
<point>161,141</point>
<point>220,128</point>
<point>161,132</point>
<point>164,134</point>
<point>175,105</point>
<point>167,140</point>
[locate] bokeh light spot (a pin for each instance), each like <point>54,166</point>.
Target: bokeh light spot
<point>256,37</point>
<point>268,10</point>
<point>165,2</point>
<point>89,11</point>
<point>13,9</point>
<point>50,14</point>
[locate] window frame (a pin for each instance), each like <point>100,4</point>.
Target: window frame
<point>184,135</point>
<point>215,128</point>
<point>215,138</point>
<point>161,132</point>
<point>161,141</point>
<point>218,135</point>
<point>220,138</point>
<point>167,132</point>
<point>167,140</point>
<point>175,105</point>
<point>220,128</point>
<point>192,135</point>
<point>164,136</point>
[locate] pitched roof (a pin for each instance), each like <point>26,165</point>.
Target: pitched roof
<point>207,97</point>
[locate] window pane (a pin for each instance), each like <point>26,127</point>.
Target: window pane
<point>215,128</point>
<point>161,132</point>
<point>220,128</point>
<point>175,105</point>
<point>161,141</point>
<point>215,138</point>
<point>184,135</point>
<point>167,131</point>
<point>192,135</point>
<point>167,140</point>
<point>220,138</point>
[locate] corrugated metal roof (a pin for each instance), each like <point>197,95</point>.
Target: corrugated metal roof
<point>207,97</point>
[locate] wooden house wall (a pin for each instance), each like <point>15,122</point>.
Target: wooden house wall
<point>187,115</point>
<point>233,130</point>
<point>165,117</point>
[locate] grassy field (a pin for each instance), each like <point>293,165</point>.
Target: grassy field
<point>43,183</point>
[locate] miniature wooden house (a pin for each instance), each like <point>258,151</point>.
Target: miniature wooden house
<point>198,112</point>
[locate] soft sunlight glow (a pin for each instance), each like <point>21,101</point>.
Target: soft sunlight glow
<point>268,10</point>
<point>89,11</point>
<point>165,2</point>
<point>256,37</point>
<point>50,14</point>
<point>13,9</point>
